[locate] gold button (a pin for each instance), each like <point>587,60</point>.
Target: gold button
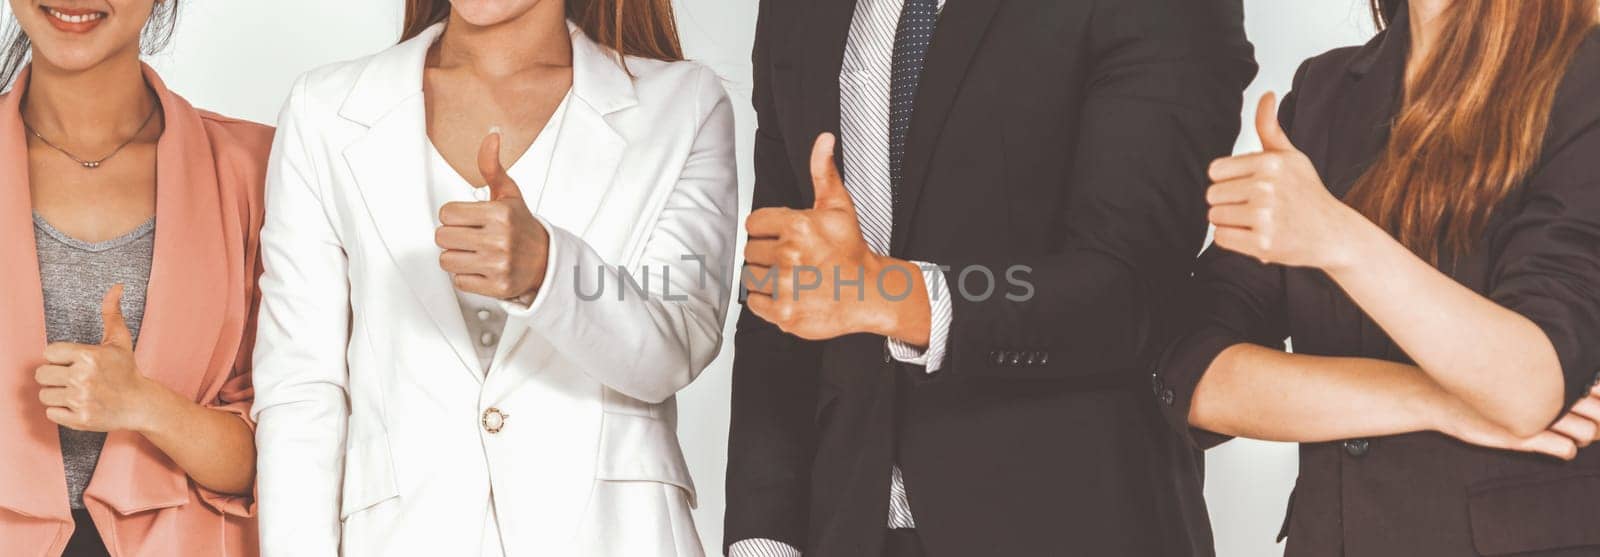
<point>494,420</point>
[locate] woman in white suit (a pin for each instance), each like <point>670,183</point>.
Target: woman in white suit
<point>446,370</point>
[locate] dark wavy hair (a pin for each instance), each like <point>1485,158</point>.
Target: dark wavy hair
<point>157,34</point>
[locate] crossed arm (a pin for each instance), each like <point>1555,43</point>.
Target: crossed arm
<point>1491,369</point>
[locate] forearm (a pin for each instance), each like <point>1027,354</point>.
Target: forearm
<point>1262,393</point>
<point>215,448</point>
<point>1494,359</point>
<point>645,332</point>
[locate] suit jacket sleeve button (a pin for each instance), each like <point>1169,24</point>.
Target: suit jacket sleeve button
<point>998,357</point>
<point>1168,397</point>
<point>1015,358</point>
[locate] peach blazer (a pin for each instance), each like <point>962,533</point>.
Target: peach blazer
<point>198,321</point>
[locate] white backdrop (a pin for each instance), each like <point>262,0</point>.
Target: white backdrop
<point>239,57</point>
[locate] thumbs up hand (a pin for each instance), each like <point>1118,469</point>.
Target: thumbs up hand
<point>495,248</point>
<point>811,272</point>
<point>97,387</point>
<point>1274,207</point>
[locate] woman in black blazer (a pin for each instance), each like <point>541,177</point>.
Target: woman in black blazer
<point>1425,226</point>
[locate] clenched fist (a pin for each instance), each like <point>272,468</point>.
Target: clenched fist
<point>97,387</point>
<point>495,248</point>
<point>1274,207</point>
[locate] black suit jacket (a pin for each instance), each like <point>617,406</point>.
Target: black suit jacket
<point>1067,136</point>
<point>1423,494</point>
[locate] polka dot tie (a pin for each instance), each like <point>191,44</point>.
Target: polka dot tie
<point>911,40</point>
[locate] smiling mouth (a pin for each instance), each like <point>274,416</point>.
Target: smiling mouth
<point>73,17</point>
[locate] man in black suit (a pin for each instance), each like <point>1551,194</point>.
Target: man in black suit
<point>945,345</point>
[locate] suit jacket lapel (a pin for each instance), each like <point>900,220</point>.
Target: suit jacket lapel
<point>588,147</point>
<point>389,164</point>
<point>821,40</point>
<point>588,151</point>
<point>184,306</point>
<point>962,27</point>
<point>1367,106</point>
<point>1361,121</point>
<point>34,481</point>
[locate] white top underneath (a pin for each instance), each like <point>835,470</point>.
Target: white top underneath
<point>485,319</point>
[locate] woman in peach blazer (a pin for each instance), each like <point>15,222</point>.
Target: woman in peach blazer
<point>175,473</point>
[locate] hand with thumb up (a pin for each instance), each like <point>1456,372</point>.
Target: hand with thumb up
<point>97,387</point>
<point>1274,207</point>
<point>495,248</point>
<point>812,273</point>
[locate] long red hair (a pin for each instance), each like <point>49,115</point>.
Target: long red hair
<point>1473,120</point>
<point>645,28</point>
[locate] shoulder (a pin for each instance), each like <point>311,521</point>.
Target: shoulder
<point>235,134</point>
<point>1319,79</point>
<point>1324,68</point>
<point>1576,110</point>
<point>673,84</point>
<point>239,152</point>
<point>325,88</point>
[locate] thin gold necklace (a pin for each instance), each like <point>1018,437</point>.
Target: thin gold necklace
<point>93,164</point>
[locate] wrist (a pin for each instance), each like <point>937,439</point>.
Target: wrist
<point>906,313</point>
<point>526,298</point>
<point>1350,247</point>
<point>153,408</point>
<point>541,270</point>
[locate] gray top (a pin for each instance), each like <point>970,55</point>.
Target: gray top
<point>76,275</point>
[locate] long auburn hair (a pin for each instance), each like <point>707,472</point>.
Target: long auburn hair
<point>1473,120</point>
<point>645,29</point>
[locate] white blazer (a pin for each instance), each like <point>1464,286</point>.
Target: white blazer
<point>370,398</point>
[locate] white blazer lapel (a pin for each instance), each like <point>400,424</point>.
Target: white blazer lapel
<point>589,147</point>
<point>389,164</point>
<point>588,151</point>
<point>585,162</point>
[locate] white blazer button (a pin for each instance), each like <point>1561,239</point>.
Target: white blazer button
<point>494,420</point>
<point>486,340</point>
<point>484,315</point>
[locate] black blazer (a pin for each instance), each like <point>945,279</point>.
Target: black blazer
<point>1068,136</point>
<point>1424,494</point>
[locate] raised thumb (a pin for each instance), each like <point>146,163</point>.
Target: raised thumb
<point>114,328</point>
<point>1268,129</point>
<point>501,186</point>
<point>826,183</point>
